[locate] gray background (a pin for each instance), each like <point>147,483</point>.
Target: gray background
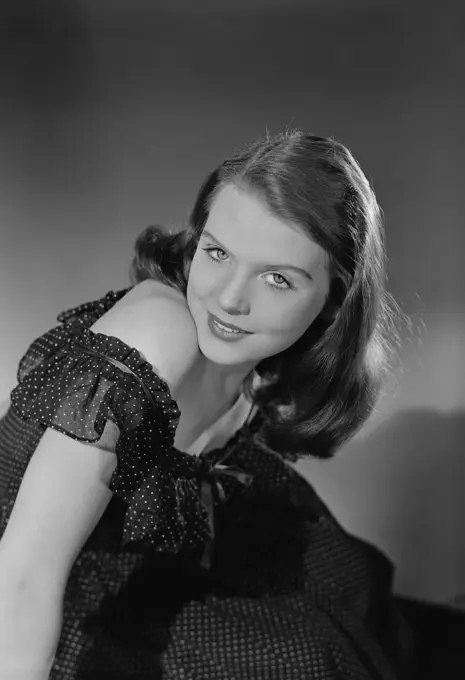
<point>111,115</point>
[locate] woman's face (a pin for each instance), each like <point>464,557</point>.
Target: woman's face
<point>251,269</point>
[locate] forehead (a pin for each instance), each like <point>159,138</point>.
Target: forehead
<point>242,221</point>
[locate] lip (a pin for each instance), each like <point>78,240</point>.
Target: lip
<point>226,334</point>
<point>229,325</point>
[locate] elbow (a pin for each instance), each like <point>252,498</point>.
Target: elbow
<point>30,625</point>
<point>28,593</point>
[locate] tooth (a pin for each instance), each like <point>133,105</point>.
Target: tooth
<point>229,330</point>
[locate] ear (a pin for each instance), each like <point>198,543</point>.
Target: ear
<point>329,311</point>
<point>334,301</point>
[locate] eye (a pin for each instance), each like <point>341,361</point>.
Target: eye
<point>278,285</point>
<point>209,252</point>
<point>282,285</point>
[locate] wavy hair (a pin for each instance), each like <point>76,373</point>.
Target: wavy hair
<point>317,393</point>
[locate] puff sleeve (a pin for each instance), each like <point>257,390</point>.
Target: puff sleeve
<point>74,380</point>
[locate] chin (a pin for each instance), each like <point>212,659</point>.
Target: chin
<point>219,353</point>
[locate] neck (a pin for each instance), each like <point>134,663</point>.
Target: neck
<point>224,382</point>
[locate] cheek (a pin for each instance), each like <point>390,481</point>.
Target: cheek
<point>198,285</point>
<point>202,281</point>
<point>290,320</point>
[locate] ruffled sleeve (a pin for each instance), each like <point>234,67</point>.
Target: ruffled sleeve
<point>74,381</point>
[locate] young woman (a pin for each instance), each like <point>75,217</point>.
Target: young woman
<point>154,526</point>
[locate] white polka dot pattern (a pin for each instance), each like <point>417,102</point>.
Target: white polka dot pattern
<point>289,595</point>
<point>70,382</point>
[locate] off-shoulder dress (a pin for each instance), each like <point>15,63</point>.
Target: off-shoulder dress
<point>219,566</point>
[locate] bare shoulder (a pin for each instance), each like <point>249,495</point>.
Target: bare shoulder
<point>155,319</point>
<point>4,406</point>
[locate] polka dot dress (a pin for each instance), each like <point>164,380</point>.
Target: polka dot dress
<point>218,567</point>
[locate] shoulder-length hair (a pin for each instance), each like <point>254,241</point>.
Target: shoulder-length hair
<point>317,393</point>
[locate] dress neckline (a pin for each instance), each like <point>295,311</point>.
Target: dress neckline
<point>222,452</point>
<point>230,421</point>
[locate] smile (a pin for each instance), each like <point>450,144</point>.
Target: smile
<point>225,331</point>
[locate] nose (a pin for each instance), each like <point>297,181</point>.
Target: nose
<point>233,298</point>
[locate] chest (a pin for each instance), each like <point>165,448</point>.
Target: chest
<point>203,425</point>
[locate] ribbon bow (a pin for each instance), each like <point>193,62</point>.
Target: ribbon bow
<point>210,478</point>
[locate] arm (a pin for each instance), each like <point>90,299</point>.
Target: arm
<point>65,491</point>
<point>62,496</point>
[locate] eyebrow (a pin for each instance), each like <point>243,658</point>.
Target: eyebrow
<point>266,266</point>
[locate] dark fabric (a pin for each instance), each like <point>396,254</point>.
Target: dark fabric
<point>285,593</point>
<point>438,635</point>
